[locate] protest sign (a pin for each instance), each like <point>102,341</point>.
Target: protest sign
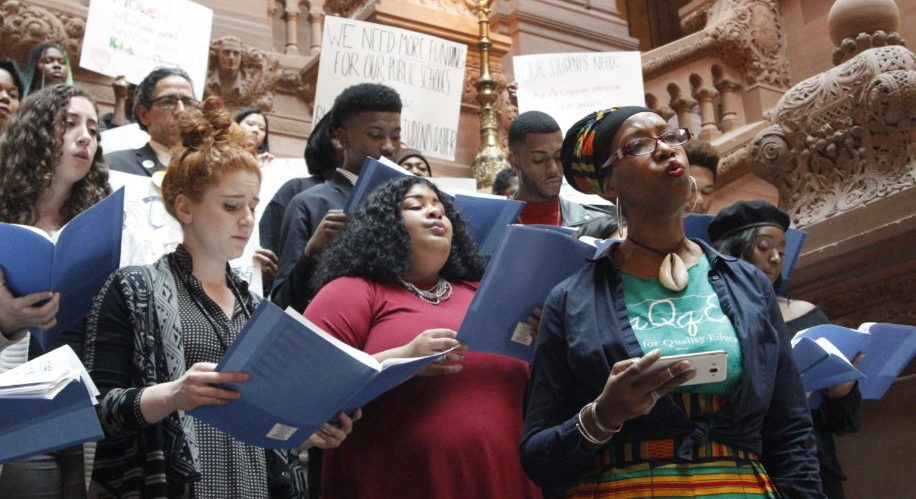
<point>130,38</point>
<point>426,71</point>
<point>569,86</point>
<point>150,232</point>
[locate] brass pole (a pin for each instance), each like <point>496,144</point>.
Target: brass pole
<point>490,158</point>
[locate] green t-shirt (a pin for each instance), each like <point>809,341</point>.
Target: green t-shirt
<point>687,321</point>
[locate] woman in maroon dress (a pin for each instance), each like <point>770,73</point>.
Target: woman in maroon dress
<point>397,283</point>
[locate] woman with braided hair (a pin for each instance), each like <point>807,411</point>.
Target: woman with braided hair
<point>600,421</point>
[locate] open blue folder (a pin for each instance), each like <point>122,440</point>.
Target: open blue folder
<point>87,250</point>
<point>33,425</point>
<point>373,175</point>
<point>697,226</point>
<point>527,265</point>
<point>819,368</point>
<point>301,377</point>
<point>489,219</point>
<point>486,216</point>
<point>888,349</point>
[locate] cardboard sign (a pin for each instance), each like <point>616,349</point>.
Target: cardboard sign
<point>426,71</point>
<point>570,86</point>
<point>133,37</point>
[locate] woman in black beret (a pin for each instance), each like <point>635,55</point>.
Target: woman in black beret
<point>755,231</point>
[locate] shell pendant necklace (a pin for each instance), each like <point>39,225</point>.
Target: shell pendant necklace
<point>672,274</point>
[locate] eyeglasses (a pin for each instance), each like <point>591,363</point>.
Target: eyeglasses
<point>647,145</point>
<point>170,102</point>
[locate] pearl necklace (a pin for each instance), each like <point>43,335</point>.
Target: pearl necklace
<point>441,292</point>
<point>672,274</point>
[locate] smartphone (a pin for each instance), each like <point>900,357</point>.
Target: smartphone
<point>711,366</point>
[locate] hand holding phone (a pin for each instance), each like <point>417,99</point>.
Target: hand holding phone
<point>711,367</point>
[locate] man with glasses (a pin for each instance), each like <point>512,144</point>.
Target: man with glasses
<point>158,100</point>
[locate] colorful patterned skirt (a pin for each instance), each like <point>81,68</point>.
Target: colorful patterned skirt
<point>650,469</point>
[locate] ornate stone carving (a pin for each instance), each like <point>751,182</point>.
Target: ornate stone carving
<point>241,75</point>
<point>344,8</point>
<point>732,162</point>
<point>864,41</point>
<point>749,34</point>
<point>25,26</point>
<point>842,138</point>
<point>469,90</point>
<point>506,107</point>
<point>695,19</point>
<point>301,83</point>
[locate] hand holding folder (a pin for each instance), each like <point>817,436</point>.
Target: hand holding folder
<point>528,263</point>
<point>75,263</point>
<point>823,354</point>
<point>300,378</point>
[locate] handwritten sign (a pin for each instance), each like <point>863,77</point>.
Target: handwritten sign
<point>569,86</point>
<point>426,71</point>
<point>150,232</point>
<point>133,37</point>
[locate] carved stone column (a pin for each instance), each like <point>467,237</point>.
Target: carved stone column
<point>683,107</point>
<point>705,96</point>
<point>291,16</point>
<point>731,103</point>
<point>316,19</point>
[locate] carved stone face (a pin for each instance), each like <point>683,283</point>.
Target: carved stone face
<point>230,56</point>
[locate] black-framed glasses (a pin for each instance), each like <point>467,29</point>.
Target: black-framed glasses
<point>170,102</point>
<point>647,145</point>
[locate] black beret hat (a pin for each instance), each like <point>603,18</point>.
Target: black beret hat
<point>744,215</point>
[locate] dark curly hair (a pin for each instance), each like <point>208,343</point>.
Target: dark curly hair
<point>31,150</point>
<point>248,111</point>
<point>501,181</point>
<point>376,245</point>
<point>12,68</point>
<point>700,153</point>
<point>363,97</point>
<point>212,145</point>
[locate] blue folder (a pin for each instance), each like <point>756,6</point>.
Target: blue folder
<point>889,349</point>
<point>300,379</point>
<point>488,218</point>
<point>527,265</point>
<point>32,426</point>
<point>87,251</point>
